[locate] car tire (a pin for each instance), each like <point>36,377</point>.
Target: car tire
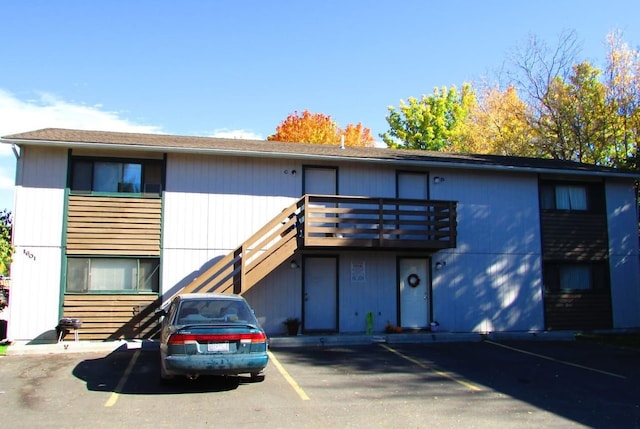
<point>257,377</point>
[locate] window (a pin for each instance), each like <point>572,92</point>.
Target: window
<point>569,196</point>
<point>116,275</point>
<point>129,176</point>
<point>562,276</point>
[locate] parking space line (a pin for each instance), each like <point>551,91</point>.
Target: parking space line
<point>287,377</point>
<point>116,392</point>
<point>564,362</point>
<point>435,370</point>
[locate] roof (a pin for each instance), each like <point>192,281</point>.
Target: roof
<point>263,148</point>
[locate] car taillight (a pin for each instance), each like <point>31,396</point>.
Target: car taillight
<point>180,339</point>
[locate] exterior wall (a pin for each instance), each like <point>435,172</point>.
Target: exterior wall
<point>492,281</point>
<point>622,213</point>
<point>212,204</point>
<point>37,237</point>
<point>376,294</point>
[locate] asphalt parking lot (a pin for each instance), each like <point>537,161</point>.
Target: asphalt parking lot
<point>482,384</point>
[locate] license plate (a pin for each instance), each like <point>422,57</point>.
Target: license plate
<point>218,347</point>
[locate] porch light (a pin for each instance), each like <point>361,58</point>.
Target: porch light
<point>440,264</point>
<point>293,264</point>
<point>438,179</point>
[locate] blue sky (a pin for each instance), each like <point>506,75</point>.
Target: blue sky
<point>238,68</point>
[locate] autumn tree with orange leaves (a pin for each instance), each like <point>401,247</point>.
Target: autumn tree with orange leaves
<point>307,127</point>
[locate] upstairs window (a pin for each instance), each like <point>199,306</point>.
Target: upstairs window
<point>129,176</point>
<point>572,197</point>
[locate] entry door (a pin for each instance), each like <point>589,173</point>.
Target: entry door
<point>320,293</point>
<point>413,185</point>
<point>414,292</point>
<point>320,180</point>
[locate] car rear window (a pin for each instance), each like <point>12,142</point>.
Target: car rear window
<point>201,311</point>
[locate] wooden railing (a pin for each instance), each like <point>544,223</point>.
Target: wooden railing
<point>321,221</point>
<point>392,223</point>
<point>255,258</point>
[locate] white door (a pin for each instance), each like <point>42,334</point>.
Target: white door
<point>414,292</point>
<point>413,185</point>
<point>320,294</point>
<point>320,180</point>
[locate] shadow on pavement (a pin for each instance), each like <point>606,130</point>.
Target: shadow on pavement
<point>132,372</point>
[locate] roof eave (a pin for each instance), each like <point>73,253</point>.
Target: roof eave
<point>434,163</point>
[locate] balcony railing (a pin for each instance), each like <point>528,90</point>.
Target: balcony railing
<point>321,221</point>
<point>389,223</point>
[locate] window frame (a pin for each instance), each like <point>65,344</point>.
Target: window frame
<point>136,290</point>
<point>594,196</point>
<point>148,185</point>
<point>598,276</point>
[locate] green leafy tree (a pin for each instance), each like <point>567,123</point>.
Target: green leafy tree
<point>433,122</point>
<point>6,249</point>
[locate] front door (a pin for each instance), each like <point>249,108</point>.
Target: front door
<point>414,292</point>
<point>320,180</point>
<point>320,293</point>
<point>412,185</point>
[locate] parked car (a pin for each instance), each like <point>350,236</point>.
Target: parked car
<point>211,334</point>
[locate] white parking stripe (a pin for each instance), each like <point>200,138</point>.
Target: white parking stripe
<point>556,360</point>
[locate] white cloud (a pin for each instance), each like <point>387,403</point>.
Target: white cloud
<point>236,134</point>
<point>49,111</point>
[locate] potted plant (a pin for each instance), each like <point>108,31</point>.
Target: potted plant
<point>293,325</point>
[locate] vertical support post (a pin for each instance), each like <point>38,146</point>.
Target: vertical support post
<point>380,222</point>
<point>238,265</point>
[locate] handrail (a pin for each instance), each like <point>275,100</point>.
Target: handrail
<point>379,222</point>
<point>229,274</point>
<point>317,221</point>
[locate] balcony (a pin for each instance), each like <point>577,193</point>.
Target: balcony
<point>380,223</point>
<point>331,222</point>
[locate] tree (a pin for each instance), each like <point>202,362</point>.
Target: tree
<point>573,127</point>
<point>357,135</point>
<point>6,249</point>
<point>433,122</point>
<point>623,101</point>
<point>310,127</point>
<point>497,124</point>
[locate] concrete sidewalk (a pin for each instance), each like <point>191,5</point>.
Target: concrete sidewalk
<point>24,348</point>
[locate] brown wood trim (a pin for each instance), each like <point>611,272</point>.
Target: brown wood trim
<point>580,311</point>
<point>112,317</point>
<point>574,236</point>
<point>113,225</point>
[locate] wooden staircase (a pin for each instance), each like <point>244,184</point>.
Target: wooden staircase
<point>245,266</point>
<point>331,221</point>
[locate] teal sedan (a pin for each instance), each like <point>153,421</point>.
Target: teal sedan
<point>211,334</point>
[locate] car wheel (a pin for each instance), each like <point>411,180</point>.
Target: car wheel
<point>257,376</point>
